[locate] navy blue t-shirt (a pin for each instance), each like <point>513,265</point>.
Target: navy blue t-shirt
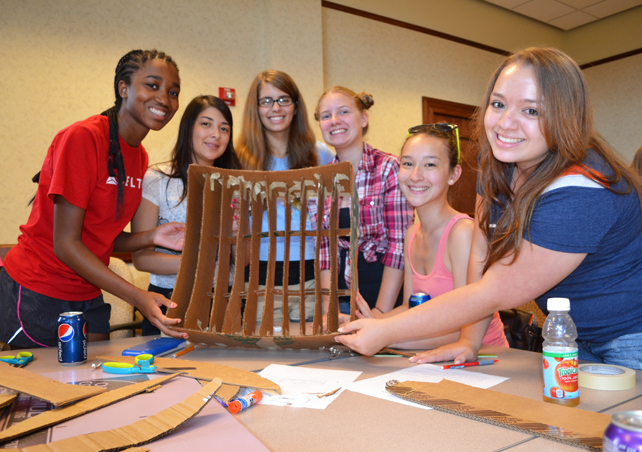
<point>576,214</point>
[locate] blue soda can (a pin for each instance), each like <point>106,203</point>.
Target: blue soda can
<point>418,298</point>
<point>624,433</point>
<point>72,338</point>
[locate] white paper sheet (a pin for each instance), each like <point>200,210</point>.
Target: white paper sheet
<point>301,386</point>
<point>430,373</point>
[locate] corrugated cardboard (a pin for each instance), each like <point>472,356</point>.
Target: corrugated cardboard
<point>7,398</point>
<point>58,415</point>
<point>44,388</point>
<point>139,433</point>
<point>232,377</point>
<point>566,425</point>
<point>221,317</point>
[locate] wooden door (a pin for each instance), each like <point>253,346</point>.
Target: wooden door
<point>463,193</point>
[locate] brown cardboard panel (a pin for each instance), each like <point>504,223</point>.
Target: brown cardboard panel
<point>209,371</point>
<point>314,342</point>
<point>566,425</point>
<point>187,268</point>
<point>139,433</point>
<point>7,399</point>
<point>44,388</point>
<point>58,415</point>
<point>216,318</point>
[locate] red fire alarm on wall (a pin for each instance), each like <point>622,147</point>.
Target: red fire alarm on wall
<point>227,95</point>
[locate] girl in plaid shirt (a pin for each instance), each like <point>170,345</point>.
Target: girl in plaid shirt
<point>384,213</point>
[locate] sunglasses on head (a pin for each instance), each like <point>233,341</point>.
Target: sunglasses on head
<point>440,126</point>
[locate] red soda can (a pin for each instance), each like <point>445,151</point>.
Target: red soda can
<point>72,338</point>
<point>624,433</point>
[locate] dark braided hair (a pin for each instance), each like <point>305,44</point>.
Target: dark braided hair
<point>129,64</point>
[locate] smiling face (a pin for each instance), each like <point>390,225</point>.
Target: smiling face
<point>341,121</point>
<point>425,174</point>
<point>511,119</point>
<point>275,119</point>
<point>210,136</point>
<point>151,99</point>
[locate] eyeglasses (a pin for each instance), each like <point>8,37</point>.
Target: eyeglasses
<point>440,126</point>
<point>268,101</point>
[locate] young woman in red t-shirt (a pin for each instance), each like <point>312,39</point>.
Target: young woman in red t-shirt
<point>89,189</point>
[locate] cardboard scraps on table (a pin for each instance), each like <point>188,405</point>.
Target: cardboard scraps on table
<point>140,432</point>
<point>44,388</point>
<point>229,317</point>
<point>232,377</point>
<point>58,415</point>
<point>7,397</point>
<point>566,425</point>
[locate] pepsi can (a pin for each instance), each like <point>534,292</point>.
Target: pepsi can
<point>418,298</point>
<point>624,433</point>
<point>72,338</point>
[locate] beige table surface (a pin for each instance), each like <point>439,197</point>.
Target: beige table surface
<point>357,422</point>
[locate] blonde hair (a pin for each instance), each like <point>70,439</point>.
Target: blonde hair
<point>363,101</point>
<point>252,146</point>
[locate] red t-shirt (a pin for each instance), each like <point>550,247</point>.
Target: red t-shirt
<point>76,168</point>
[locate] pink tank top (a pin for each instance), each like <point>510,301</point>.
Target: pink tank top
<point>440,280</point>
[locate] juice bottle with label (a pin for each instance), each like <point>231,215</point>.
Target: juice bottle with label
<point>560,355</point>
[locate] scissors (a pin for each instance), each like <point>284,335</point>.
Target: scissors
<point>144,365</point>
<point>20,360</point>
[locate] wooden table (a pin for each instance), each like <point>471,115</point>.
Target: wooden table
<point>357,422</point>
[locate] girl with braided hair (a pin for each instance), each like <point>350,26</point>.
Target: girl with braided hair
<point>89,189</point>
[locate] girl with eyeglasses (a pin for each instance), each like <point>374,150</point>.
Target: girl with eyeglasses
<point>384,213</point>
<point>437,249</point>
<point>204,138</point>
<point>89,189</point>
<point>558,215</point>
<point>275,136</point>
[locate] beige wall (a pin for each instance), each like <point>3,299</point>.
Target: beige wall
<point>58,60</point>
<point>616,90</point>
<point>399,66</point>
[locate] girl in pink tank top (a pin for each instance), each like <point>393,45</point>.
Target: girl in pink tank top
<point>437,248</point>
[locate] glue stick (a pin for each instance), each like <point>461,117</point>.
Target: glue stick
<point>244,402</point>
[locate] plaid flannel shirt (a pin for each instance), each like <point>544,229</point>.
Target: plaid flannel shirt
<point>384,213</point>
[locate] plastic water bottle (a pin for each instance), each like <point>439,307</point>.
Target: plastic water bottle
<point>560,355</point>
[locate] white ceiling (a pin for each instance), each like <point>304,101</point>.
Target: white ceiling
<point>567,14</point>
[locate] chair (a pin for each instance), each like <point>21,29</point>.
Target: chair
<point>520,329</point>
<point>122,313</point>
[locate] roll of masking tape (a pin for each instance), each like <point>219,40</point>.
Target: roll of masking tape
<point>606,377</point>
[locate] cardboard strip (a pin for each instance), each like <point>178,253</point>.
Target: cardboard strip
<point>317,324</point>
<point>58,415</point>
<point>43,388</point>
<point>209,371</point>
<point>198,312</point>
<point>234,307</point>
<point>139,433</point>
<point>7,398</point>
<point>565,425</point>
<point>187,267</point>
<point>302,247</point>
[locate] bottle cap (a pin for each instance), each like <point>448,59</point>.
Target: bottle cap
<point>558,304</point>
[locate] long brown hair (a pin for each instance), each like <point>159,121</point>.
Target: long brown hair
<point>252,146</point>
<point>566,121</point>
<point>636,166</point>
